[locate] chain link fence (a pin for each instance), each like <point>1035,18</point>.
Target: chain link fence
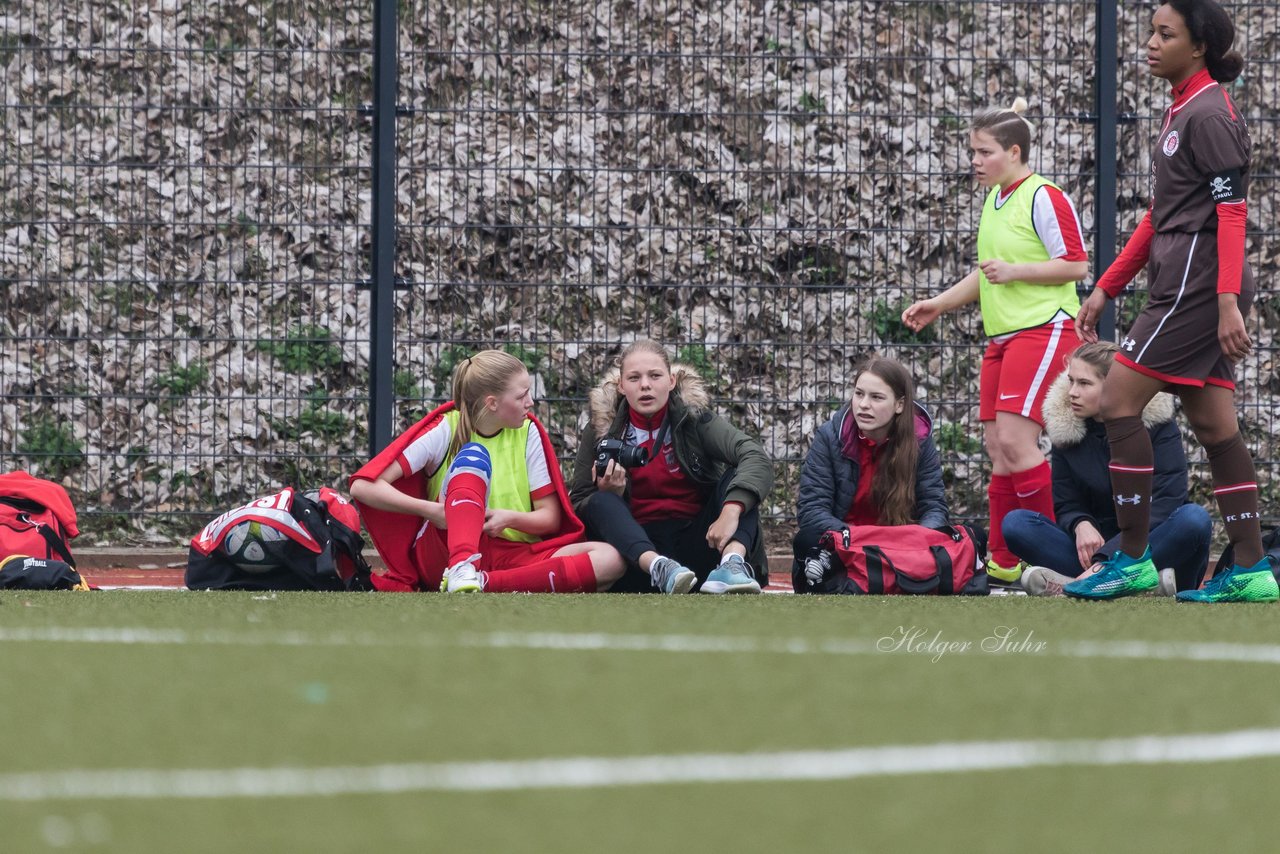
<point>187,191</point>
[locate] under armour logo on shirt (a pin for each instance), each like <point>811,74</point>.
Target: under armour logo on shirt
<point>1132,499</point>
<point>1128,344</point>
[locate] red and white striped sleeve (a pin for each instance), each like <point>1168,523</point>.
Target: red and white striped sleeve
<point>1058,225</point>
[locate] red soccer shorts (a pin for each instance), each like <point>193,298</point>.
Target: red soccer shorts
<point>1017,371</point>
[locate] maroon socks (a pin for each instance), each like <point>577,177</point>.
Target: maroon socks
<point>1236,490</point>
<point>1132,465</point>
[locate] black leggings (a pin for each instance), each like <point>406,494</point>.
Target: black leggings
<point>608,517</point>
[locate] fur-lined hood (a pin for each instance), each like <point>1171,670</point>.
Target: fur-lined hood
<point>1065,428</point>
<point>605,399</point>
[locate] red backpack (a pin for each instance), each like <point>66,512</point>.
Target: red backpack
<point>37,518</point>
<point>911,559</point>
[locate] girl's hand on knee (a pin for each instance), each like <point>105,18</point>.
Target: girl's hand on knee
<point>724,527</point>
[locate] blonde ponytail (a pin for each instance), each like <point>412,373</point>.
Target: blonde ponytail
<point>475,378</point>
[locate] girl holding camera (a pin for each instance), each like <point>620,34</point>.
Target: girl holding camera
<point>471,498</point>
<point>668,482</point>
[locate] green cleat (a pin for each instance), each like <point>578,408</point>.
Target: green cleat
<point>1010,575</point>
<point>1119,576</point>
<point>1254,583</point>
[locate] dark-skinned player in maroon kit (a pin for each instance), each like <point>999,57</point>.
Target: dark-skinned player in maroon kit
<point>1191,332</point>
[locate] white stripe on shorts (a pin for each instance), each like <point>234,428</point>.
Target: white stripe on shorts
<point>1181,290</point>
<point>1045,362</point>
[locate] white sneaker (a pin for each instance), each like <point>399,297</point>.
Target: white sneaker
<point>1043,581</point>
<point>463,577</point>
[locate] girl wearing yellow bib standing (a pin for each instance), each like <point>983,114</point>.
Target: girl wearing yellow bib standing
<point>1030,255</point>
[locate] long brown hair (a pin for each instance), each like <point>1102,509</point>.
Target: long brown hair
<point>894,487</point>
<point>487,372</point>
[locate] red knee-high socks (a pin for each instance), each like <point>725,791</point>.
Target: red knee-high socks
<point>465,497</point>
<point>567,574</point>
<point>1002,499</point>
<point>1029,489</point>
<point>1034,487</point>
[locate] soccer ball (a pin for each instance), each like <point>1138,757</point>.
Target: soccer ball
<point>253,546</point>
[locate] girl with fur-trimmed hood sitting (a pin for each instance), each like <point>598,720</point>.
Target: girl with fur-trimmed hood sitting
<point>1087,531</point>
<point>683,513</point>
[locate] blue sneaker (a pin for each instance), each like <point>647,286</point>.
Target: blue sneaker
<point>671,577</point>
<point>1239,584</point>
<point>1119,576</point>
<point>731,576</point>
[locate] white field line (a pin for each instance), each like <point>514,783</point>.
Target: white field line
<point>140,587</point>
<point>600,772</point>
<point>923,647</point>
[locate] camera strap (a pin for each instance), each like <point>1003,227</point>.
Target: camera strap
<point>660,436</point>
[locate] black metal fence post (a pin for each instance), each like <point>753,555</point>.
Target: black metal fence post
<point>1105,143</point>
<point>383,244</point>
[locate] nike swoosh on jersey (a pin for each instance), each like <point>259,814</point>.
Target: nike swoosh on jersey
<point>1009,396</point>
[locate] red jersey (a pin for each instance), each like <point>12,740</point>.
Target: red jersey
<point>661,489</point>
<point>863,510</point>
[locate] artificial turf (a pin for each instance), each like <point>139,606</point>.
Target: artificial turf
<point>179,680</point>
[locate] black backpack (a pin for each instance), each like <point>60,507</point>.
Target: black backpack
<point>34,573</point>
<point>286,541</point>
<point>1270,549</point>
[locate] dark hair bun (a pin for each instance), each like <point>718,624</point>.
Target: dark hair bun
<point>1227,68</point>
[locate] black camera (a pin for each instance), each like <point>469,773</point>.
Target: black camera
<point>627,456</point>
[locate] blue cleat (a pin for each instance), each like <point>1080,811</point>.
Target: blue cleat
<point>1239,584</point>
<point>1119,576</point>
